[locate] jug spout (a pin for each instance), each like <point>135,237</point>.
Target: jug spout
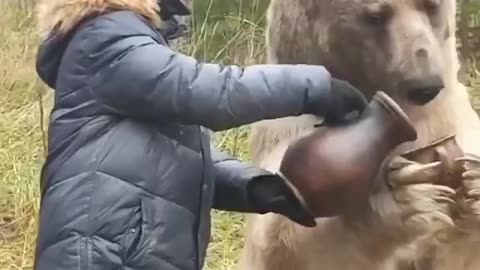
<point>336,164</point>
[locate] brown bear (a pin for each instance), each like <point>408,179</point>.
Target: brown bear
<point>406,48</point>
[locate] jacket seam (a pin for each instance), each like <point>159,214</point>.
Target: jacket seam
<point>92,186</point>
<point>146,191</point>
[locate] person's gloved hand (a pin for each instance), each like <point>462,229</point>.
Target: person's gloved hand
<point>169,8</point>
<point>271,193</point>
<point>342,99</point>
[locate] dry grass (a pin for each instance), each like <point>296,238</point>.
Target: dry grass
<point>21,144</point>
<point>21,147</point>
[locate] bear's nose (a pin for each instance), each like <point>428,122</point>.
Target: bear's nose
<point>420,91</point>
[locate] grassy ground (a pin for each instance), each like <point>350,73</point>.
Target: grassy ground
<point>21,140</point>
<point>21,137</point>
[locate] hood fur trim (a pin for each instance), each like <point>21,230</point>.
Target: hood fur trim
<point>65,14</point>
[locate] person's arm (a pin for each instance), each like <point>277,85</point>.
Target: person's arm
<point>232,177</point>
<point>242,187</point>
<point>137,77</point>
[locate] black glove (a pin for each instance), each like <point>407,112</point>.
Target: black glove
<point>342,100</point>
<point>270,193</point>
<point>169,8</point>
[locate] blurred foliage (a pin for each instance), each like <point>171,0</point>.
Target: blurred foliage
<point>468,31</point>
<point>225,28</point>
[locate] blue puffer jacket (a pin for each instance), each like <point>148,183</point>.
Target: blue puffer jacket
<point>130,176</point>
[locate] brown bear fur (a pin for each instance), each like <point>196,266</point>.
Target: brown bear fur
<point>355,42</point>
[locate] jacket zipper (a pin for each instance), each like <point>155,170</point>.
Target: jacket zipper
<point>200,205</point>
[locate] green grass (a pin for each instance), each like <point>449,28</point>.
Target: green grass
<point>224,37</point>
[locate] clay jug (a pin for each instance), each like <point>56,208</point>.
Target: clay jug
<point>445,150</point>
<point>330,169</point>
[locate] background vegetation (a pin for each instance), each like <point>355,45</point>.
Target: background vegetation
<point>224,31</point>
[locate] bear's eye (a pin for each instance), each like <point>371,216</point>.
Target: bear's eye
<point>377,19</point>
<point>379,16</point>
<point>432,6</point>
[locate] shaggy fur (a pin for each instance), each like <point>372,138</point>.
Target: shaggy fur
<point>457,247</point>
<point>65,14</point>
<point>416,216</point>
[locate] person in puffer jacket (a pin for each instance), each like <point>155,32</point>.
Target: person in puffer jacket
<point>130,177</point>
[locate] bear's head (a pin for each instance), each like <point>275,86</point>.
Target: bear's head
<point>397,46</point>
<point>389,45</point>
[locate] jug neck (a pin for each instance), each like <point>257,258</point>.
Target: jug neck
<point>395,120</point>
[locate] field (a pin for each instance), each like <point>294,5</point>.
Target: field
<point>25,103</point>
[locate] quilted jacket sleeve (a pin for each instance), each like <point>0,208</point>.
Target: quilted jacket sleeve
<point>232,177</point>
<point>136,76</point>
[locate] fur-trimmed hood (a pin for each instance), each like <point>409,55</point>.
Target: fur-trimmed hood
<point>58,18</point>
<point>63,15</point>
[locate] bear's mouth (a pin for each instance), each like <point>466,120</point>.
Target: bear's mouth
<point>422,96</point>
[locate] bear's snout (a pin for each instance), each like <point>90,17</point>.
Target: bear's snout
<point>421,91</point>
